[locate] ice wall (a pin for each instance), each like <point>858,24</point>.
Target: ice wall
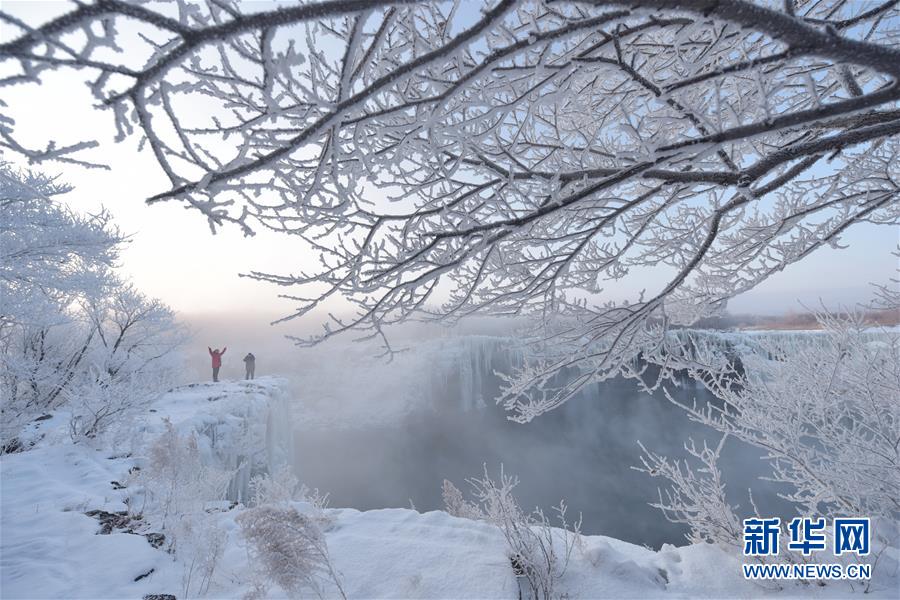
<point>279,430</point>
<point>461,372</point>
<point>464,369</point>
<point>240,426</point>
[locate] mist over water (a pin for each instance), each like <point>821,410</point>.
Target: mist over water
<point>374,433</point>
<point>387,435</point>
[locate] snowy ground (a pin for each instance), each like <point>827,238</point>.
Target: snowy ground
<point>51,549</point>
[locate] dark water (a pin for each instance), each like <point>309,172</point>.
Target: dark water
<point>582,452</point>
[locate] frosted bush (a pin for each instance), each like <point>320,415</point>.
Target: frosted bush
<point>201,544</point>
<point>101,402</point>
<point>456,505</point>
<point>175,479</point>
<point>288,547</point>
<point>279,487</point>
<point>538,552</point>
<point>178,488</point>
<point>697,496</point>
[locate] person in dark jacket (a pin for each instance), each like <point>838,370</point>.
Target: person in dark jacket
<point>216,361</point>
<point>250,364</point>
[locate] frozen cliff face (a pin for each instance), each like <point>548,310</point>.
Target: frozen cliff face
<point>241,426</point>
<point>348,385</point>
<point>279,429</point>
<point>462,371</point>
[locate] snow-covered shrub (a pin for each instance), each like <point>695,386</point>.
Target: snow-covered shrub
<point>132,359</point>
<point>288,547</point>
<point>201,545</point>
<point>39,360</point>
<point>176,481</point>
<point>281,487</point>
<point>100,402</point>
<point>697,496</point>
<point>278,487</point>
<point>456,505</point>
<point>178,488</point>
<point>539,553</point>
<point>301,543</point>
<point>824,407</point>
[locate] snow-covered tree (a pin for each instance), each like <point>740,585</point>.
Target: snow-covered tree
<point>102,359</point>
<point>50,260</point>
<point>824,410</point>
<point>71,332</point>
<point>49,254</point>
<point>508,157</point>
<point>132,357</point>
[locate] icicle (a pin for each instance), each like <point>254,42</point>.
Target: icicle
<point>279,432</point>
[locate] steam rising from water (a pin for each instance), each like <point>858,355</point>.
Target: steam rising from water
<point>378,435</point>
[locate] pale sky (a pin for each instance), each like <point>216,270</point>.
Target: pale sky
<point>173,255</point>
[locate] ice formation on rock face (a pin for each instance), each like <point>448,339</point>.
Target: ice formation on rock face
<point>461,372</point>
<point>243,427</point>
<point>467,366</point>
<point>279,431</point>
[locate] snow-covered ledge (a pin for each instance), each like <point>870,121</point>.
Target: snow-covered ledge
<point>57,496</point>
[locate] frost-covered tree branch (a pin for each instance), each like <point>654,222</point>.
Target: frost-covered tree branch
<point>513,160</point>
<point>696,498</point>
<point>823,410</point>
<point>539,553</point>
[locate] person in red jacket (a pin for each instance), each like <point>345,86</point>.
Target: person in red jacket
<point>216,361</point>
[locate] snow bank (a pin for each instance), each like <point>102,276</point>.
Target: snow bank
<point>49,548</point>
